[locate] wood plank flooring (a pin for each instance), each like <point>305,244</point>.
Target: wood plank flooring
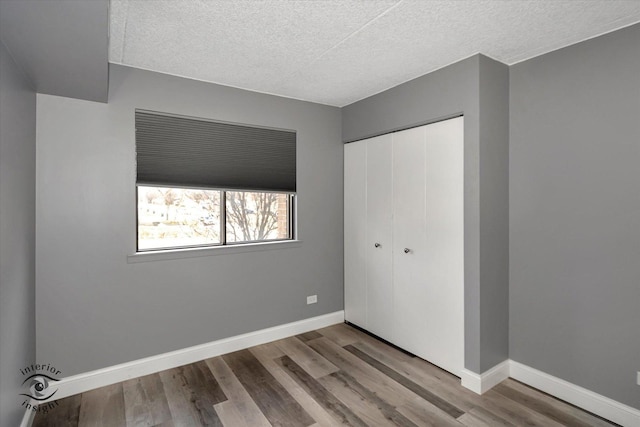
<point>329,377</point>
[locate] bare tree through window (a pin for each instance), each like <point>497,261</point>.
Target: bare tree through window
<point>255,216</point>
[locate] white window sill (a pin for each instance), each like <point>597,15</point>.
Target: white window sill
<point>210,251</point>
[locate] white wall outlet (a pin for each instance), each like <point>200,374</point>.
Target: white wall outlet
<point>638,378</point>
<point>312,299</point>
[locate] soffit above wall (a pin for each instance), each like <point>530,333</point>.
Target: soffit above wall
<point>62,45</point>
<point>339,51</point>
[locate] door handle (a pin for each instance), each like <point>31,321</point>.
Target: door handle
<point>407,250</point>
<point>377,245</point>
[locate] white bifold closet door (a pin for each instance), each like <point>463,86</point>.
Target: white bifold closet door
<point>379,214</point>
<point>368,234</point>
<point>428,291</point>
<point>355,233</point>
<point>404,220</point>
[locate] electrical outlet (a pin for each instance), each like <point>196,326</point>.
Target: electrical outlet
<point>312,299</point>
<point>638,378</point>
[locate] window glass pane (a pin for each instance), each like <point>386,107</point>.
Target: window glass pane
<point>257,216</point>
<point>177,217</point>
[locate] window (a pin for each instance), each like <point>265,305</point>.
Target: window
<point>188,217</point>
<point>205,183</point>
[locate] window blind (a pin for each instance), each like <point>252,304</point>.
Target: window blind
<point>193,152</point>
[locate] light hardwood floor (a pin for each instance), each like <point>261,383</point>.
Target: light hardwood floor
<point>334,376</point>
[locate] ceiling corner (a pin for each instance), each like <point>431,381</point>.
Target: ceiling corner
<point>62,45</point>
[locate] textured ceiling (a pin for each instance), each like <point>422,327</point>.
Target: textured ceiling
<point>339,51</point>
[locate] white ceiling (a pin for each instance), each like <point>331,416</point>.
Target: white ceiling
<point>336,52</point>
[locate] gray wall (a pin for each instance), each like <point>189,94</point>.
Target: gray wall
<point>494,212</point>
<point>17,234</point>
<point>94,309</point>
<point>449,91</point>
<point>575,214</point>
<point>62,45</point>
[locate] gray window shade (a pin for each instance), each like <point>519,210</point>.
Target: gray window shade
<point>181,151</point>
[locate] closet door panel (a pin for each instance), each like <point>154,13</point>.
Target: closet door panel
<point>444,266</point>
<point>379,236</point>
<point>428,216</point>
<point>409,233</point>
<point>355,233</point>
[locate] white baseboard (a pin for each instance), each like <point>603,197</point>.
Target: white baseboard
<point>586,399</point>
<point>102,377</point>
<point>29,416</point>
<point>479,383</point>
<point>581,397</point>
